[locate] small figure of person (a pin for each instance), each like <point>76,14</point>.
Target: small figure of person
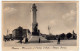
<point>39,40</point>
<point>21,39</point>
<point>5,39</point>
<point>58,41</point>
<point>26,40</point>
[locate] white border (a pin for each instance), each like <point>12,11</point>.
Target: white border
<point>0,25</point>
<point>79,25</point>
<point>29,0</point>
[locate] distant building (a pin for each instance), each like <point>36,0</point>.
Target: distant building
<point>50,37</point>
<point>10,35</point>
<point>44,35</point>
<point>20,33</point>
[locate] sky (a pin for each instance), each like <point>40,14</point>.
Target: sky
<point>60,17</point>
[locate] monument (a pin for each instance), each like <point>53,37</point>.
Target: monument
<point>35,37</point>
<point>35,30</point>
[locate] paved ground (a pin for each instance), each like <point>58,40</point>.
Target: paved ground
<point>51,43</point>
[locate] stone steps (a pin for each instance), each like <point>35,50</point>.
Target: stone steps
<point>35,39</point>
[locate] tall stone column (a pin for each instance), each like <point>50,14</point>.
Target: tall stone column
<point>34,22</point>
<point>34,10</point>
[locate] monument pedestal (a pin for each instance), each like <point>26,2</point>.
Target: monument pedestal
<point>35,33</point>
<point>35,39</point>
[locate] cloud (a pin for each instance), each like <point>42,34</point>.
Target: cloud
<point>69,19</point>
<point>70,16</point>
<point>9,10</point>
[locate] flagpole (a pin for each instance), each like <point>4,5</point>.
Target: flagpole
<point>7,31</point>
<point>49,29</point>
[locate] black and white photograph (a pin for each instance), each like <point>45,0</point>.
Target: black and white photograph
<point>40,24</point>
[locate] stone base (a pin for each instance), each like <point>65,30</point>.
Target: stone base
<point>35,33</point>
<point>35,39</point>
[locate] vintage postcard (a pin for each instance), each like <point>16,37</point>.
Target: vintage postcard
<point>40,26</point>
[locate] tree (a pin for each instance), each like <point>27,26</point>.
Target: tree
<point>62,36</point>
<point>69,35</point>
